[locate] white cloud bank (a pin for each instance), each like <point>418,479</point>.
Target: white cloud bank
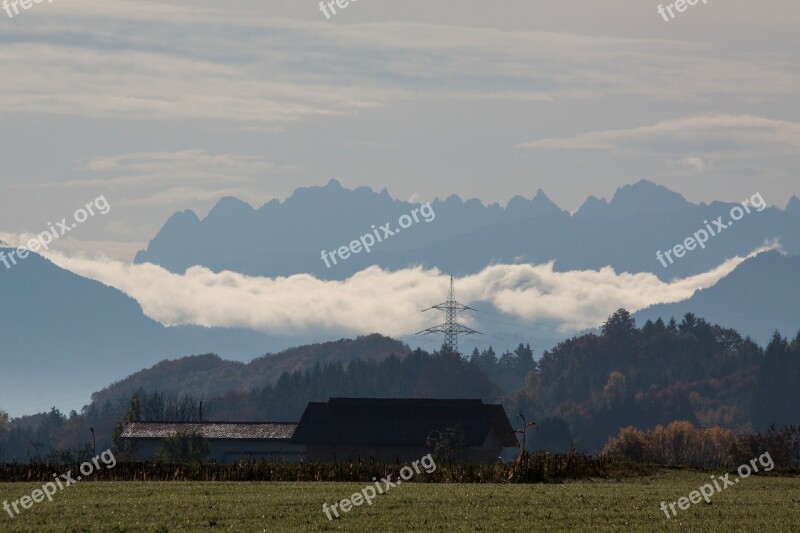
<point>376,300</point>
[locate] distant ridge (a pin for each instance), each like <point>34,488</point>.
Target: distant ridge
<point>758,297</point>
<point>209,375</point>
<point>285,238</point>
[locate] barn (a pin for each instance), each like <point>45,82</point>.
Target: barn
<point>400,429</point>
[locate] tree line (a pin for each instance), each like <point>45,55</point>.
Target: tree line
<point>580,394</point>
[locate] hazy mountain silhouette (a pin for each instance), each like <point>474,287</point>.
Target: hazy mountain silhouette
<point>284,238</point>
<point>64,335</point>
<point>760,296</point>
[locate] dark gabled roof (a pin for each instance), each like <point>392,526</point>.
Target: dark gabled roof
<point>399,422</point>
<point>211,430</point>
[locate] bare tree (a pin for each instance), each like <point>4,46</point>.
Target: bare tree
<point>164,407</point>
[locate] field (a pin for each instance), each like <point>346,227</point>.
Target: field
<point>759,503</point>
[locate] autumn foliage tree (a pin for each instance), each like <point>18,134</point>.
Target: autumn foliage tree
<point>679,443</point>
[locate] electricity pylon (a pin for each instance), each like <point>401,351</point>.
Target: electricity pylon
<point>451,328</point>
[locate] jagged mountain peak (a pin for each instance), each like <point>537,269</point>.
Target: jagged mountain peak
<point>793,206</point>
<point>645,195</point>
<point>540,204</point>
<point>641,198</point>
<point>228,206</point>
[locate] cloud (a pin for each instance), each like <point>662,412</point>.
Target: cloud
<point>158,168</point>
<point>693,162</point>
<point>148,61</point>
<point>718,135</point>
<point>175,178</point>
<point>375,300</point>
<point>190,162</point>
<point>73,247</point>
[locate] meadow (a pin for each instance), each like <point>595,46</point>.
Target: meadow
<point>766,503</point>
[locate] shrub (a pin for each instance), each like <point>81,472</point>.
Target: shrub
<point>183,448</point>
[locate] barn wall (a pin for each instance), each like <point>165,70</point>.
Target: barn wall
<point>232,450</point>
<point>228,451</point>
<point>391,454</point>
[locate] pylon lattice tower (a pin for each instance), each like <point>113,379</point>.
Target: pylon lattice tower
<point>451,328</point>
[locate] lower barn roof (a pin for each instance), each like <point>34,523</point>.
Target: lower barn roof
<point>211,430</point>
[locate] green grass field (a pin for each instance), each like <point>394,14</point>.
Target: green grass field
<point>759,503</point>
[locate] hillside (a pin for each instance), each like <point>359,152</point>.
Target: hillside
<point>209,375</point>
<point>654,373</point>
<point>758,297</point>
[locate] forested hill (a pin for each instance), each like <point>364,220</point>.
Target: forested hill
<point>688,370</point>
<point>209,375</point>
<point>418,375</point>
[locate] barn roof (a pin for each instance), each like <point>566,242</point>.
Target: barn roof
<point>211,430</point>
<point>399,421</point>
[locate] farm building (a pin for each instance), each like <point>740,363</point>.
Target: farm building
<point>228,442</point>
<point>384,429</point>
<point>390,429</point>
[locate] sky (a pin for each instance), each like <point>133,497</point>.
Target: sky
<point>166,106</point>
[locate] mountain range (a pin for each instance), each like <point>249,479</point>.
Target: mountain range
<point>284,238</point>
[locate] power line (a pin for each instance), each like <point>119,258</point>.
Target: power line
<point>518,322</point>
